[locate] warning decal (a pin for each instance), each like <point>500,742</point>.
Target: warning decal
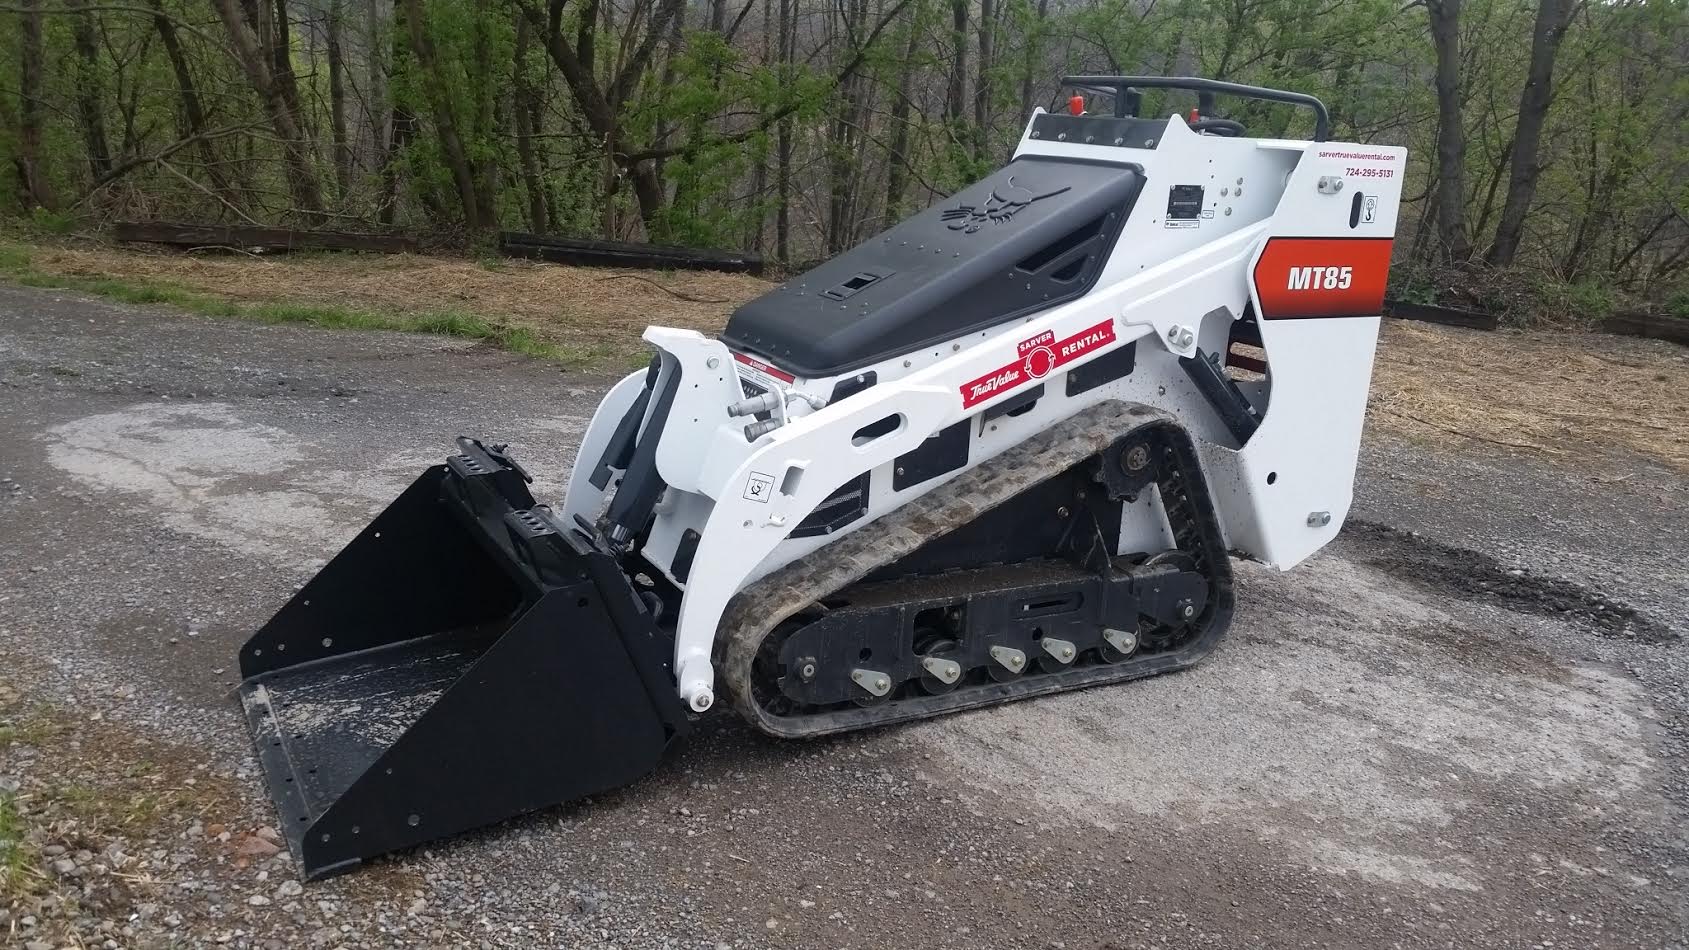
<point>1038,356</point>
<point>754,369</point>
<point>759,486</point>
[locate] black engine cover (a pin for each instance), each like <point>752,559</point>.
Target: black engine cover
<point>1032,235</point>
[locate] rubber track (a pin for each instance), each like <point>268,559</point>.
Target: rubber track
<point>757,610</point>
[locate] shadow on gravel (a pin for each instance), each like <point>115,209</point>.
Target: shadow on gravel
<point>1476,576</point>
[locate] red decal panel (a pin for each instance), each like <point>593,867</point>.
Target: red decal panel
<point>1304,278</point>
<point>762,367</point>
<point>1038,356</point>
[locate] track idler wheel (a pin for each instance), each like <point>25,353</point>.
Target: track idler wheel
<point>1055,655</point>
<point>1118,645</point>
<point>1007,663</point>
<point>942,673</point>
<point>873,687</point>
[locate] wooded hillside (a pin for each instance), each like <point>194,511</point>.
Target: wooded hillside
<point>1549,138</point>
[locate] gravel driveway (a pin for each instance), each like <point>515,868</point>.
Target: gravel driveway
<point>1462,725</point>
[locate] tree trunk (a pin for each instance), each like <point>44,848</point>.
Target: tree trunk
<point>193,112</point>
<point>1031,67</point>
<point>842,164</point>
<point>445,124</point>
<point>783,143</point>
<point>897,159</point>
<point>486,121</point>
<point>1451,132</point>
<point>404,128</point>
<point>759,174</point>
<point>1553,18</point>
<point>376,85</point>
<point>676,31</point>
<point>281,51</point>
<point>32,177</point>
<point>302,180</point>
<point>599,104</point>
<point>956,93</point>
<point>337,103</point>
<point>538,220</point>
<point>88,99</point>
<point>404,121</point>
<point>982,84</point>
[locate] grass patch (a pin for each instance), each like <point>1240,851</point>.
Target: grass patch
<point>33,730</point>
<point>16,265</point>
<point>17,861</point>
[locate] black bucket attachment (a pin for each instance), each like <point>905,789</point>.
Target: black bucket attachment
<point>465,659</point>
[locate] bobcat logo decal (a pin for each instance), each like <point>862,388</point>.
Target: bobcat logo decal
<point>1006,200</point>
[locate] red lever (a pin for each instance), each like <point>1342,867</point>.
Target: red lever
<point>1076,105</point>
<point>1195,114</point>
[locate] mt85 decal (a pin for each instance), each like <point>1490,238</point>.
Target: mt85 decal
<point>1304,278</point>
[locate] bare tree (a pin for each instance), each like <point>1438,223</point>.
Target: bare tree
<point>956,92</point>
<point>337,100</point>
<point>897,158</point>
<point>32,178</point>
<point>90,105</point>
<point>445,124</point>
<point>193,111</point>
<point>1553,17</point>
<point>982,83</point>
<point>280,103</point>
<point>523,94</point>
<point>1451,131</point>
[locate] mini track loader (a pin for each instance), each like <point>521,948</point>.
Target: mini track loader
<point>999,451</point>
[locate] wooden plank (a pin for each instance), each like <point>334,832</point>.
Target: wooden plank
<point>1654,326</point>
<point>1447,316</point>
<point>591,253</point>
<point>249,236</point>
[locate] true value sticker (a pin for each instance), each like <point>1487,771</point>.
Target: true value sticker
<point>1038,356</point>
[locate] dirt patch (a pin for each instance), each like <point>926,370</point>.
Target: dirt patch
<point>1472,575</point>
<point>590,309</point>
<point>1356,742</point>
<point>1561,394</point>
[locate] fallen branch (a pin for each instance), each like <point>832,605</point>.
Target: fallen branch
<point>208,192</point>
<point>1467,435</point>
<point>672,293</point>
<point>124,168</point>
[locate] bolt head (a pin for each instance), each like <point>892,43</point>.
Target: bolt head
<point>712,362</point>
<point>1067,653</point>
<point>1187,611</point>
<point>1015,661</point>
<point>881,683</point>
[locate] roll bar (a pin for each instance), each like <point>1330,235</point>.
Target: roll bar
<point>1124,89</point>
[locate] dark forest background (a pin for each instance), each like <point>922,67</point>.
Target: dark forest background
<point>1548,140</point>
